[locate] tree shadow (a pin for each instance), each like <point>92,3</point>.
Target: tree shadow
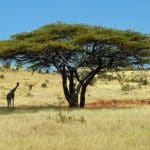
<point>33,109</point>
<point>29,109</point>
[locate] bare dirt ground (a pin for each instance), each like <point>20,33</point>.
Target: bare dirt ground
<point>117,103</point>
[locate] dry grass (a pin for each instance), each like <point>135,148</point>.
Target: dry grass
<point>115,129</point>
<point>42,127</point>
<point>49,95</point>
<point>36,96</point>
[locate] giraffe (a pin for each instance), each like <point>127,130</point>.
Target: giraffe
<point>11,95</point>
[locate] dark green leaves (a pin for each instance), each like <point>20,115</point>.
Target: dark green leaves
<point>75,37</point>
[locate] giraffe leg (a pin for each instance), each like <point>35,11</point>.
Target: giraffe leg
<point>12,102</point>
<point>8,103</point>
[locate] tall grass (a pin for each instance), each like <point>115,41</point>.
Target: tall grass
<point>104,129</point>
<point>39,123</point>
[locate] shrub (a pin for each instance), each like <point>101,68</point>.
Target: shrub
<point>127,87</point>
<point>141,79</point>
<point>29,94</point>
<point>2,76</point>
<point>7,66</point>
<point>44,85</point>
<point>92,83</point>
<point>47,71</point>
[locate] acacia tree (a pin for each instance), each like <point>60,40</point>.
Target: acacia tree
<point>78,52</point>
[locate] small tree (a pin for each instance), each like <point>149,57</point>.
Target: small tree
<point>79,52</point>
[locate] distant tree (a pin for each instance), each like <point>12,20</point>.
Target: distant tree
<point>79,52</point>
<point>7,65</point>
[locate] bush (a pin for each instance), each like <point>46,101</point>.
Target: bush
<point>141,79</point>
<point>29,94</point>
<point>2,76</point>
<point>127,87</point>
<point>44,85</point>
<point>7,66</point>
<point>47,71</point>
<point>92,83</point>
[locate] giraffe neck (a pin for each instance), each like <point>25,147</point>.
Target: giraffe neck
<point>14,89</point>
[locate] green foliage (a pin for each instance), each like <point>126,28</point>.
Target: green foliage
<point>47,71</point>
<point>18,65</point>
<point>72,37</point>
<point>73,47</point>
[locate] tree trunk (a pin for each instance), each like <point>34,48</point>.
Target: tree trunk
<point>74,97</point>
<point>71,93</point>
<point>86,82</point>
<point>74,102</point>
<point>64,84</point>
<point>82,96</point>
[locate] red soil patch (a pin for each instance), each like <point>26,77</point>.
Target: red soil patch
<point>97,104</point>
<point>117,103</point>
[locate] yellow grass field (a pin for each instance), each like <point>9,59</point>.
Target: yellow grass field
<point>102,90</point>
<point>38,123</point>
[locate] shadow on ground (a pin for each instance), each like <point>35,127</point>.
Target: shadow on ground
<point>112,104</point>
<point>29,109</point>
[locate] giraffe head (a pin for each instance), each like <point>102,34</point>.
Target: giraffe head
<point>17,83</point>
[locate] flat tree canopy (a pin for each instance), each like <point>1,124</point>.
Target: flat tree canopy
<point>72,48</point>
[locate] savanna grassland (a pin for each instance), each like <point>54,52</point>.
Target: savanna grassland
<point>38,122</point>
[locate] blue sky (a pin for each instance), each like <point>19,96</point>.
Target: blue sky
<point>26,15</point>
